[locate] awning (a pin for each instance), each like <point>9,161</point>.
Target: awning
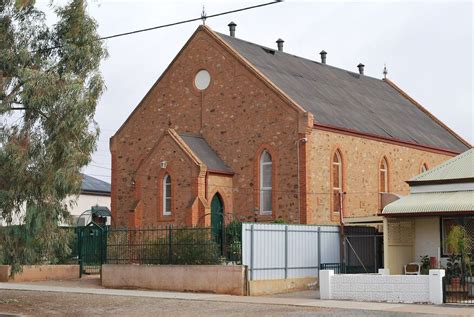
<point>101,211</point>
<point>434,202</point>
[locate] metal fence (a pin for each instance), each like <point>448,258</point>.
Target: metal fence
<point>278,251</point>
<point>363,250</point>
<point>166,245</point>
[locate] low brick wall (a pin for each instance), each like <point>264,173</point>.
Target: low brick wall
<point>31,273</point>
<point>383,288</point>
<point>268,287</point>
<point>219,279</point>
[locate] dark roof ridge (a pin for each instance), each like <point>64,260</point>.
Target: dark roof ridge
<point>276,51</point>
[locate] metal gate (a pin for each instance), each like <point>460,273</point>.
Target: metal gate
<point>363,250</point>
<point>92,241</point>
<point>459,288</point>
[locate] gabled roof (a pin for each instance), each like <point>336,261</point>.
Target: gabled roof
<point>347,100</point>
<point>457,168</point>
<point>205,153</point>
<point>92,185</point>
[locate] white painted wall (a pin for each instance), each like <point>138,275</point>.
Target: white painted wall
<point>383,288</point>
<point>85,202</point>
<point>427,237</point>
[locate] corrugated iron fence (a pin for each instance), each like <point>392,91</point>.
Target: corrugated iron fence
<point>279,251</point>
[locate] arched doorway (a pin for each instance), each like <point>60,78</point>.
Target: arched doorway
<point>217,218</point>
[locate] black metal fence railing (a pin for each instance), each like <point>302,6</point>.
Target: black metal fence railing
<point>459,289</point>
<point>165,245</point>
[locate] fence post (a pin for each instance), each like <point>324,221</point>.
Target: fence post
<point>170,247</point>
<point>286,252</point>
<point>319,249</point>
<point>79,250</point>
<point>375,254</point>
<point>251,252</point>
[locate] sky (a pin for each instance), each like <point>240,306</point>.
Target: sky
<point>427,47</point>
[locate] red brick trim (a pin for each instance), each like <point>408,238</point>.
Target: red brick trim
<point>389,176</point>
<point>421,166</point>
<point>374,137</point>
<point>304,212</point>
<point>159,197</point>
<point>334,216</point>
<point>273,153</point>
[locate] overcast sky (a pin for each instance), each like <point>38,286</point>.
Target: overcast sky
<point>426,45</point>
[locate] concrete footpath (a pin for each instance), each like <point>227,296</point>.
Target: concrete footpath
<point>290,301</point>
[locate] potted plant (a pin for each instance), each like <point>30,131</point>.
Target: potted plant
<point>459,262</point>
<point>425,265</point>
<point>453,271</point>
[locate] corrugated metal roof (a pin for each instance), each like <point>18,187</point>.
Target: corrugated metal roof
<point>205,153</point>
<point>459,167</point>
<point>345,99</point>
<point>420,203</point>
<point>92,184</point>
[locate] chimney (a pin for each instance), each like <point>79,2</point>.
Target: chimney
<point>361,68</point>
<point>232,26</point>
<point>323,56</point>
<point>280,44</point>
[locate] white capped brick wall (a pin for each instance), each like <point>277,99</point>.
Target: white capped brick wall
<point>377,288</point>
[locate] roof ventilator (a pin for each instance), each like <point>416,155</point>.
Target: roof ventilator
<point>361,68</point>
<point>323,56</point>
<point>280,44</point>
<point>232,26</point>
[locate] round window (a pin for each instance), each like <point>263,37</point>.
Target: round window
<point>202,79</point>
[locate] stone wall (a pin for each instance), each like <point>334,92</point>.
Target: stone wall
<point>31,273</point>
<point>238,115</point>
<point>219,279</point>
<point>361,158</point>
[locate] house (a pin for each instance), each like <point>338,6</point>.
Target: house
<point>419,223</point>
<point>259,134</point>
<point>93,192</point>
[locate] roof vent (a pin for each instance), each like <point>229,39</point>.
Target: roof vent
<point>361,68</point>
<point>232,26</point>
<point>280,44</point>
<point>323,56</point>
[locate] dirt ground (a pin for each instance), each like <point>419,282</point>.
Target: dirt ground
<point>33,303</point>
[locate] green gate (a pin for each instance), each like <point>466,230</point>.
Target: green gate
<point>92,242</point>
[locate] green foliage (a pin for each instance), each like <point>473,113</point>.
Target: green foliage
<point>15,239</point>
<point>459,243</point>
<point>279,221</point>
<point>154,246</point>
<point>49,87</point>
<point>425,265</point>
<point>453,266</point>
<point>234,241</point>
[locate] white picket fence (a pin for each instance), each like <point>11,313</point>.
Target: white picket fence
<point>279,251</point>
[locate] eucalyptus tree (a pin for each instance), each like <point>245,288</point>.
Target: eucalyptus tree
<point>49,89</point>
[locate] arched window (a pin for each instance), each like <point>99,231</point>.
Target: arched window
<point>383,187</point>
<point>167,195</point>
<point>423,168</point>
<point>265,183</point>
<point>337,182</point>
